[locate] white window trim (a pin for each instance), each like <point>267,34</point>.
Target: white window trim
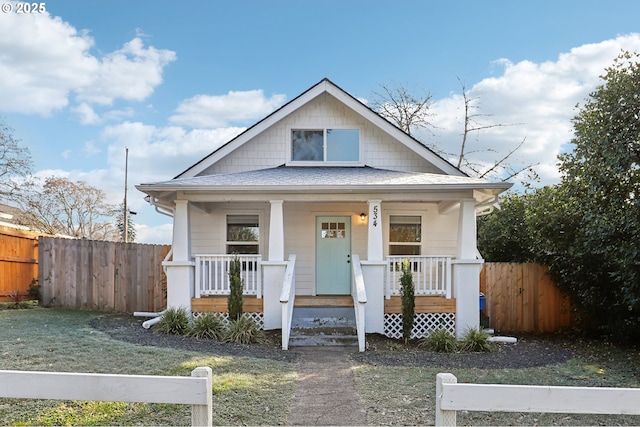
<point>387,227</point>
<point>334,163</point>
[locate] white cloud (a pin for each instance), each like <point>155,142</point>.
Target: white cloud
<point>161,234</point>
<point>86,114</point>
<point>160,153</point>
<point>131,73</point>
<point>211,111</point>
<point>537,100</point>
<point>45,62</point>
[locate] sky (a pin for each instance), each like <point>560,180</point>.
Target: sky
<point>82,81</point>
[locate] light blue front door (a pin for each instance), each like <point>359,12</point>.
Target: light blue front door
<point>333,255</point>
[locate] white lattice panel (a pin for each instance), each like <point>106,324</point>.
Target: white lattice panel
<point>423,324</point>
<point>258,318</point>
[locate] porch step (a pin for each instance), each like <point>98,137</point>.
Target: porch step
<point>323,326</point>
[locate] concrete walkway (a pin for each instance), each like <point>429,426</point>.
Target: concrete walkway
<point>325,392</point>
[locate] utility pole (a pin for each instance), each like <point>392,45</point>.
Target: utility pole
<point>126,208</point>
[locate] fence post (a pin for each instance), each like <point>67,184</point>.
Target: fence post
<point>202,415</point>
<point>444,418</point>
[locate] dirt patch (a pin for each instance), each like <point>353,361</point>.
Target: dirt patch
<point>529,351</point>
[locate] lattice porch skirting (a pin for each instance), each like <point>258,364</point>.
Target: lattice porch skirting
<point>258,318</point>
<point>423,324</point>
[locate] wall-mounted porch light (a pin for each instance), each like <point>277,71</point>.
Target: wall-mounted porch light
<point>363,217</point>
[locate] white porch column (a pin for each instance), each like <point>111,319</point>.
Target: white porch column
<point>466,271</point>
<point>373,270</point>
<point>180,271</point>
<point>273,270</point>
<point>374,235</point>
<point>276,231</point>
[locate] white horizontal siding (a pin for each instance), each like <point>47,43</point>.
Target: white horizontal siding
<point>269,149</point>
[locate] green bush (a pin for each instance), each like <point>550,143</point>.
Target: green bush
<point>174,321</point>
<point>440,340</point>
<point>408,300</point>
<point>208,326</point>
<point>475,339</point>
<point>244,331</point>
<point>234,302</point>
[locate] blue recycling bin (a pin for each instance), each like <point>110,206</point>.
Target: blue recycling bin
<point>483,301</point>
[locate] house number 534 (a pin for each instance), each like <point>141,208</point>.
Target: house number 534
<point>375,216</point>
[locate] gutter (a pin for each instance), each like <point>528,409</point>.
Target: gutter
<point>160,207</point>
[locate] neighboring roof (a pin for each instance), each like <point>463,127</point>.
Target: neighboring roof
<point>334,179</point>
<point>324,86</point>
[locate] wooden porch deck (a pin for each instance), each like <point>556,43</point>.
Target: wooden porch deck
<point>424,304</point>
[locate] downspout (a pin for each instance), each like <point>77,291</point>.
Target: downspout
<point>486,207</point>
<point>160,207</point>
<point>168,211</point>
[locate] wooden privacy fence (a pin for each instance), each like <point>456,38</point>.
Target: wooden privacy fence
<point>523,298</point>
<point>18,262</point>
<point>452,397</point>
<point>195,390</point>
<point>88,274</point>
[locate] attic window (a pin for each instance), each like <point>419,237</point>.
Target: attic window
<point>325,145</point>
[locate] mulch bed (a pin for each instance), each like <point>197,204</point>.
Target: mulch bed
<point>529,351</point>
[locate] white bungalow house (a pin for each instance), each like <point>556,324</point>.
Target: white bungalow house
<point>322,200</point>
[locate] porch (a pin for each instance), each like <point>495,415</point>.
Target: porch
<point>435,308</point>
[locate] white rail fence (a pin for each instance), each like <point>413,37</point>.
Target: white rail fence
<point>359,294</point>
<point>195,390</point>
<point>212,274</point>
<point>452,397</point>
<point>287,300</point>
<point>431,274</point>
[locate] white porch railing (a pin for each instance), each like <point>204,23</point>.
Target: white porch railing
<point>212,274</point>
<point>431,274</point>
<point>359,294</point>
<point>287,300</point>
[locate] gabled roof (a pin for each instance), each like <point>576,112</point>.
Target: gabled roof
<point>324,86</point>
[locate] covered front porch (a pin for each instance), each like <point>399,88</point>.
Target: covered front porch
<point>447,286</point>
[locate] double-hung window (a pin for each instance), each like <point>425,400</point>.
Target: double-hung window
<point>325,145</point>
<point>405,235</point>
<point>243,234</point>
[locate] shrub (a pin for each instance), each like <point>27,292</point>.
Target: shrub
<point>34,290</point>
<point>440,340</point>
<point>208,326</point>
<point>234,303</point>
<point>475,339</point>
<point>174,321</point>
<point>244,331</point>
<point>408,300</point>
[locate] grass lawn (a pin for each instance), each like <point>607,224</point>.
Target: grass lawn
<point>251,391</point>
<point>406,395</point>
<point>245,390</point>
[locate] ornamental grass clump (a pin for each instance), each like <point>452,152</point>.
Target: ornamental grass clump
<point>440,341</point>
<point>208,326</point>
<point>475,339</point>
<point>174,321</point>
<point>244,331</point>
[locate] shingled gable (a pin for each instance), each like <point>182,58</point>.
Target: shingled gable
<point>324,86</point>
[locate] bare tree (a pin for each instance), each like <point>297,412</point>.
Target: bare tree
<point>15,165</point>
<point>406,110</point>
<point>74,209</point>
<point>502,166</point>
